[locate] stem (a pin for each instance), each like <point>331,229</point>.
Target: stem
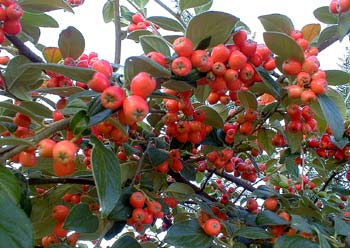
<point>236,180</point>
<point>139,164</point>
<point>24,50</point>
<point>118,33</point>
<point>173,13</point>
<point>207,179</point>
<point>64,180</point>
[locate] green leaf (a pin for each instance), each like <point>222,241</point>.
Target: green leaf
<point>187,4</point>
<point>212,117</point>
<point>5,141</point>
<point>16,108</point>
<point>200,9</point>
<point>337,77</point>
<point>157,156</point>
<point>247,99</point>
<point>71,43</point>
<point>327,34</point>
<point>61,91</point>
<point>283,45</point>
<point>134,65</point>
<point>270,218</point>
<point>126,13</point>
<point>294,141</point>
<point>202,92</point>
<point>137,34</point>
<point>291,166</point>
<point>323,15</point>
<point>177,85</point>
<point>126,241</point>
<point>341,227</point>
<point>332,115</point>
<point>44,6</point>
<point>141,3</point>
<point>108,11</point>
<point>269,85</point>
<point>311,31</point>
<point>75,73</point>
<point>167,23</point>
<point>30,33</point>
<point>106,172</point>
<point>213,26</point>
<point>79,122</point>
<point>15,227</point>
<point>191,234</point>
<point>152,43</point>
<point>39,20</point>
<point>264,137</point>
<point>81,219</point>
<point>52,54</point>
<point>180,191</point>
<point>37,108</point>
<point>252,233</point>
<point>294,241</point>
<point>343,25</point>
<point>9,185</point>
<point>277,23</point>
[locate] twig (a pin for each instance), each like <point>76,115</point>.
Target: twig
<point>140,163</point>
<point>118,33</point>
<point>173,13</point>
<point>24,50</point>
<point>64,180</point>
<point>207,179</point>
<point>236,180</point>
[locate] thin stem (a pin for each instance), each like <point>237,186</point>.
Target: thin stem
<point>118,33</point>
<point>173,13</point>
<point>64,180</point>
<point>236,180</point>
<point>140,163</point>
<point>207,180</point>
<point>24,50</point>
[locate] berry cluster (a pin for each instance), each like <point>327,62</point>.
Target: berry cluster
<point>174,162</point>
<point>212,226</point>
<point>302,119</point>
<point>10,15</point>
<point>138,23</point>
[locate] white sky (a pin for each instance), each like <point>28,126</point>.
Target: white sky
<point>99,36</point>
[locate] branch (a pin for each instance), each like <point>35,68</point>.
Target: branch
<point>173,13</point>
<point>64,180</point>
<point>24,50</point>
<point>236,180</point>
<point>118,33</point>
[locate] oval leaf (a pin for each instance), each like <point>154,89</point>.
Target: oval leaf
<point>44,6</point>
<point>135,35</point>
<point>167,23</point>
<point>264,137</point>
<point>9,185</point>
<point>277,23</point>
<point>337,77</point>
<point>202,92</point>
<point>180,191</point>
<point>323,15</point>
<point>71,43</point>
<point>311,31</point>
<point>212,117</point>
<point>177,85</point>
<point>268,217</point>
<point>81,219</point>
<point>126,241</point>
<point>187,4</point>
<point>252,233</point>
<point>247,99</point>
<point>152,43</point>
<point>107,175</point>
<point>283,45</point>
<point>61,91</point>
<point>79,122</point>
<point>39,20</point>
<point>108,11</point>
<point>327,35</point>
<point>213,27</point>
<point>52,54</point>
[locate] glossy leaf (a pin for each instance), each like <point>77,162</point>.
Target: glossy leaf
<point>311,31</point>
<point>191,235</point>
<point>106,172</point>
<point>247,99</point>
<point>213,26</point>
<point>44,6</point>
<point>268,217</point>
<point>252,233</point>
<point>81,219</point>
<point>152,43</point>
<point>294,241</point>
<point>134,65</point>
<point>332,115</point>
<point>323,15</point>
<point>187,4</point>
<point>9,185</point>
<point>283,45</point>
<point>212,117</point>
<point>39,20</point>
<point>167,23</point>
<point>180,191</point>
<point>126,241</point>
<point>108,11</point>
<point>52,54</point>
<point>15,227</point>
<point>277,23</point>
<point>71,43</point>
<point>264,137</point>
<point>37,108</point>
<point>337,77</point>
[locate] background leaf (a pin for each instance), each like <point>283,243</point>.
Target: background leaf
<point>268,217</point>
<point>294,241</point>
<point>323,15</point>
<point>311,31</point>
<point>247,99</point>
<point>212,117</point>
<point>44,6</point>
<point>337,77</point>
<point>108,11</point>
<point>9,185</point>
<point>252,233</point>
<point>180,191</point>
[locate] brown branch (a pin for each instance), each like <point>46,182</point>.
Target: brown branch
<point>118,33</point>
<point>236,181</point>
<point>64,180</point>
<point>24,50</point>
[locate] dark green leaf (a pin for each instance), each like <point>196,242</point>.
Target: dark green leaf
<point>117,227</point>
<point>39,20</point>
<point>291,166</point>
<point>81,219</point>
<point>180,191</point>
<point>247,99</point>
<point>323,15</point>
<point>337,77</point>
<point>122,209</point>
<point>171,38</point>
<point>135,35</point>
<point>284,46</point>
<point>126,241</point>
<point>327,34</point>
<point>9,185</point>
<point>134,65</point>
<point>268,217</point>
<point>106,172</point>
<point>177,85</point>
<point>71,43</point>
<point>187,4</point>
<point>15,227</point>
<point>25,111</point>
<point>213,25</point>
<point>252,233</point>
<point>152,43</point>
<point>300,224</point>
<point>79,122</point>
<point>61,91</point>
<point>264,137</point>
<point>202,92</point>
<point>167,23</point>
<point>277,23</point>
<point>212,117</point>
<point>157,156</point>
<point>108,11</point>
<point>332,115</point>
<point>294,140</point>
<point>269,86</point>
<point>37,108</point>
<point>341,227</point>
<point>44,6</point>
<point>100,117</point>
<point>294,241</point>
<point>191,234</point>
<point>311,31</point>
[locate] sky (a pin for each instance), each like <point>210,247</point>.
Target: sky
<point>99,37</point>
